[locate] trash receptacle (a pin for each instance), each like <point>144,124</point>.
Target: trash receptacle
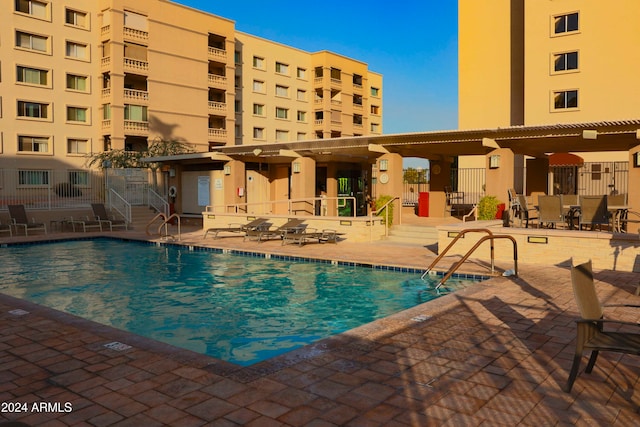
<point>423,204</point>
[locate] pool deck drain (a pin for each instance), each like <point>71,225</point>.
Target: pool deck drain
<point>498,353</point>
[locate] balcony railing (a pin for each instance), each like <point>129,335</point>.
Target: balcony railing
<point>217,106</point>
<point>217,134</point>
<point>136,95</point>
<point>217,80</point>
<point>106,124</point>
<point>106,92</point>
<point>105,30</point>
<point>336,102</point>
<point>105,62</point>
<point>136,64</point>
<point>137,35</point>
<point>214,52</point>
<point>135,127</point>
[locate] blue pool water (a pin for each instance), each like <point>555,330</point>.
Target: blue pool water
<point>241,309</point>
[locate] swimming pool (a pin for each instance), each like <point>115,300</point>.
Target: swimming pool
<point>238,308</point>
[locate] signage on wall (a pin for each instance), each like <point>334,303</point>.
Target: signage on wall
<point>203,191</point>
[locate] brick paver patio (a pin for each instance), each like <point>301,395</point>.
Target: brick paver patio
<point>496,353</point>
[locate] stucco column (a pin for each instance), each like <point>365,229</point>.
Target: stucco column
<point>633,198</point>
<point>390,181</point>
<point>303,185</point>
<point>439,177</point>
<point>234,179</point>
<point>500,164</point>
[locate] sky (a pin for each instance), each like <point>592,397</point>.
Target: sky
<point>413,44</point>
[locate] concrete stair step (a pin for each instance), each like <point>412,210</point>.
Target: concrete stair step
<point>413,235</point>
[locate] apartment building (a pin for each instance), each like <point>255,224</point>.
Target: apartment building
<point>80,77</point>
<point>543,63</point>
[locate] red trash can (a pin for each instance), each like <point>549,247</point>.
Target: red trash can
<point>423,204</point>
<point>501,208</point>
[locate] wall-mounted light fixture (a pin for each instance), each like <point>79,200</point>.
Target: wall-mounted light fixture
<point>589,134</point>
<point>296,167</point>
<point>636,160</point>
<point>172,173</point>
<point>384,164</point>
<point>227,169</point>
<point>494,161</point>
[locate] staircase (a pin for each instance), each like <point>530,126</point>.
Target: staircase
<point>413,235</point>
<point>140,217</point>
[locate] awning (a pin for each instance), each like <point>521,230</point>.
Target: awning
<point>565,159</point>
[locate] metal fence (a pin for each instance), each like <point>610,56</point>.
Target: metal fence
<point>70,189</point>
<point>591,179</point>
<point>469,181</point>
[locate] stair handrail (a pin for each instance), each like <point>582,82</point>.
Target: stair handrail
<point>453,242</point>
<point>119,205</point>
<point>157,201</point>
<point>478,243</point>
<point>165,222</point>
<point>386,214</point>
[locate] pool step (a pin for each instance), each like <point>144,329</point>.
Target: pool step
<point>413,235</point>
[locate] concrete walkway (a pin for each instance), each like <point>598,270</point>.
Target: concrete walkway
<point>497,353</point>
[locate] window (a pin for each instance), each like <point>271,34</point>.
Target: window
<point>258,133</point>
<point>31,41</point>
<point>32,75</point>
<point>301,136</point>
<point>566,61</point>
<point>282,113</point>
<point>282,91</point>
<point>336,74</point>
<point>357,119</point>
<point>77,146</point>
<point>357,80</point>
<point>237,57</point>
<point>301,95</point>
<point>77,114</point>
<point>282,135</point>
<point>302,116</point>
<point>79,178</point>
<point>375,109</point>
<point>34,110</point>
<point>32,7</point>
<point>33,144</point>
<point>301,73</point>
<point>375,91</point>
<point>566,23</point>
<point>136,113</point>
<point>258,86</point>
<point>76,50</point>
<point>565,99</point>
<point>237,107</point>
<point>33,177</point>
<point>75,18</point>
<point>78,83</point>
<point>258,109</point>
<point>319,72</point>
<point>106,111</point>
<point>357,99</point>
<point>375,127</point>
<point>282,68</point>
<point>258,62</point>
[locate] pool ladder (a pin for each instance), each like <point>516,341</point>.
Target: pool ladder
<point>490,236</point>
<point>164,226</point>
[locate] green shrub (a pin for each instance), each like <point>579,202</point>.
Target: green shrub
<point>380,201</point>
<point>488,207</point>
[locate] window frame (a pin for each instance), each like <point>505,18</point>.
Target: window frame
<point>79,178</point>
<point>282,111</point>
<point>301,116</point>
<point>46,6</point>
<point>565,30</point>
<point>301,73</point>
<point>258,133</point>
<point>75,141</point>
<point>41,70</point>
<point>73,89</point>
<point>258,86</point>
<point>565,58</point>
<point>46,143</point>
<point>21,110</point>
<point>565,93</point>
<point>282,91</point>
<point>282,68</point>
<point>258,62</point>
<point>76,108</point>
<point>32,36</point>
<point>259,110</point>
<point>75,13</point>
<point>71,43</point>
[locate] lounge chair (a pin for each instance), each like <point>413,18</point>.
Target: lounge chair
<point>303,235</point>
<point>593,211</point>
<point>100,213</point>
<point>263,234</point>
<point>19,219</point>
<point>84,223</point>
<point>550,211</point>
<point>238,228</point>
<point>591,334</point>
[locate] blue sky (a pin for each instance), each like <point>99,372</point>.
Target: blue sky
<point>413,44</point>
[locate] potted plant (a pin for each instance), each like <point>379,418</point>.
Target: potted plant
<point>488,207</point>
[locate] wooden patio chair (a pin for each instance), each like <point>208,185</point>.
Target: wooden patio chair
<point>19,218</point>
<point>591,333</point>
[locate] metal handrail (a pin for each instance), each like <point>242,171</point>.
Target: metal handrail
<point>165,222</point>
<point>122,203</point>
<point>386,214</point>
<point>237,206</point>
<point>453,242</point>
<point>478,243</point>
<point>157,201</point>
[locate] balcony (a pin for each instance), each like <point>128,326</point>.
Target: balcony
<point>136,128</point>
<point>136,95</point>
<point>105,31</point>
<point>217,106</point>
<point>218,81</point>
<point>105,62</point>
<point>135,65</point>
<point>217,134</point>
<point>136,35</point>
<point>106,124</point>
<point>215,53</point>
<point>106,92</point>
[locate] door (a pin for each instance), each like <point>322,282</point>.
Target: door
<point>282,190</point>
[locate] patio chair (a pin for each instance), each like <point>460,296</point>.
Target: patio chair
<point>6,228</point>
<point>550,211</point>
<point>238,228</point>
<point>591,334</point>
<point>100,213</point>
<point>303,235</point>
<point>84,223</point>
<point>19,218</point>
<point>593,211</point>
<point>524,211</point>
<point>264,234</point>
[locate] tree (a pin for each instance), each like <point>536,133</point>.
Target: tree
<point>415,176</point>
